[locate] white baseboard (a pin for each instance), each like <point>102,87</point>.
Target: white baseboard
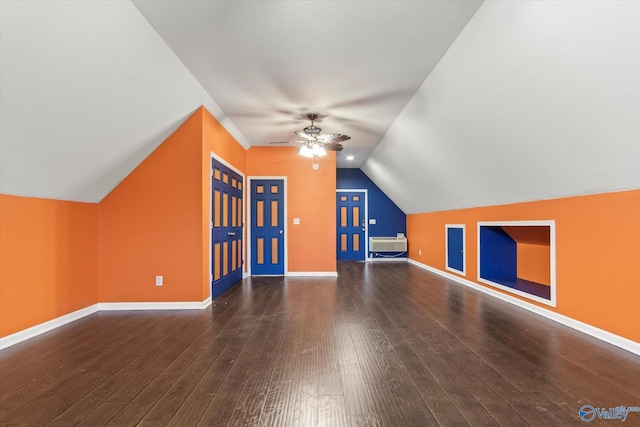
<point>33,331</point>
<point>601,334</point>
<point>47,326</point>
<point>180,305</point>
<point>382,259</point>
<point>312,274</point>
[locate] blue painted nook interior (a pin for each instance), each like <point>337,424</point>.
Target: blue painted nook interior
<point>499,262</point>
<point>390,219</point>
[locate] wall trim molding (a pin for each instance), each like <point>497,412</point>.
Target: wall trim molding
<point>311,274</point>
<point>179,305</point>
<point>52,324</point>
<point>47,326</point>
<point>601,334</point>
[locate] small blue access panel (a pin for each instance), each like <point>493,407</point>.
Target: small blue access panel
<point>455,248</point>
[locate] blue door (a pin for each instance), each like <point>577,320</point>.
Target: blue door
<point>226,228</point>
<point>267,227</point>
<point>455,248</point>
<point>351,223</point>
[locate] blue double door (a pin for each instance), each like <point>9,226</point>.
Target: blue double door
<point>226,228</point>
<point>267,227</point>
<point>351,225</point>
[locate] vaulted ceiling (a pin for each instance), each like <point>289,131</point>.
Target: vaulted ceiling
<point>267,63</point>
<point>449,104</point>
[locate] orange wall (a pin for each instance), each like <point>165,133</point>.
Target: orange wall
<point>156,222</point>
<point>151,224</point>
<point>48,260</point>
<point>216,139</point>
<point>534,253</point>
<point>534,263</point>
<point>57,256</point>
<point>311,196</point>
<point>596,252</point>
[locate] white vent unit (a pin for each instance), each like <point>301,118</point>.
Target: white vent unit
<point>387,244</point>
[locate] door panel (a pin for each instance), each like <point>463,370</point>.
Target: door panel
<point>455,248</point>
<point>227,228</point>
<point>351,223</point>
<point>267,227</point>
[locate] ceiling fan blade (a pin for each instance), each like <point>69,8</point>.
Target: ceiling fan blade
<point>396,94</point>
<point>305,135</point>
<point>333,137</point>
<point>334,146</point>
<point>288,142</point>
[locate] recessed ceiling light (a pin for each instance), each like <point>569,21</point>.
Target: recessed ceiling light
<point>350,157</point>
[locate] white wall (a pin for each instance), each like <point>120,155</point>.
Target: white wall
<point>534,100</point>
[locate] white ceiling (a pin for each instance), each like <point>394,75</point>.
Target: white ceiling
<point>90,88</point>
<point>449,104</point>
<point>265,62</point>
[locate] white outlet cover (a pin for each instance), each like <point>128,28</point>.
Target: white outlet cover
<point>159,280</point>
<point>296,221</point>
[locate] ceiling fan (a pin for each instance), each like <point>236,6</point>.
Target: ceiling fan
<point>314,143</point>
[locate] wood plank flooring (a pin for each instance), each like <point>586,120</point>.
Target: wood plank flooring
<point>383,344</point>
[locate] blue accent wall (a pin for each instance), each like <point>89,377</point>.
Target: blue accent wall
<point>390,219</point>
<point>498,255</point>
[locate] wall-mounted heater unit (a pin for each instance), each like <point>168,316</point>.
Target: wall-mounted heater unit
<point>387,244</point>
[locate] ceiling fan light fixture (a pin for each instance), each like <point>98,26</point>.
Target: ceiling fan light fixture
<point>319,151</point>
<point>314,143</point>
<point>312,130</point>
<point>306,151</point>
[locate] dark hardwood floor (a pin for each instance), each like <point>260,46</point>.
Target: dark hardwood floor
<point>384,344</point>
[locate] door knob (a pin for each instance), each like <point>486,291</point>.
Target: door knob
<point>281,231</point>
<point>231,233</point>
